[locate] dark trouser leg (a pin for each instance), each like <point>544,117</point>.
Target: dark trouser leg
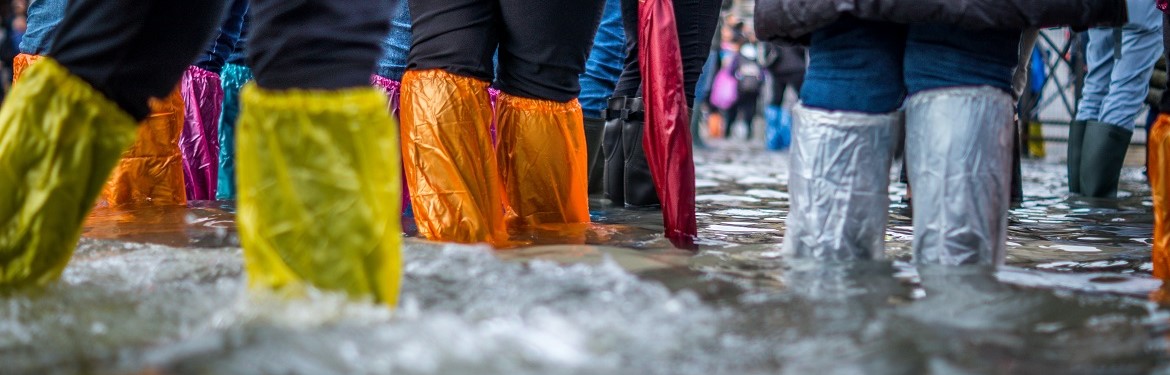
<point>542,149</point>
<point>696,21</point>
<point>133,50</point>
<point>316,44</point>
<point>226,39</point>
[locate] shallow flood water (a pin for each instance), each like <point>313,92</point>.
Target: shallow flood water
<point>161,291</point>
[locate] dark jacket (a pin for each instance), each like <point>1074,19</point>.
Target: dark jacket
<point>787,21</point>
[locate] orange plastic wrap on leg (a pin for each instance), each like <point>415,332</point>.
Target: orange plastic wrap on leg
<point>1159,174</point>
<point>151,171</point>
<point>543,158</point>
<point>450,160</point>
<point>20,63</point>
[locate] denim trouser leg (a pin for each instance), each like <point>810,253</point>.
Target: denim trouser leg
<point>43,17</point>
<point>605,61</point>
<point>942,56</point>
<point>856,66</point>
<point>1141,46</point>
<point>1099,58</point>
<point>396,46</point>
<point>1117,86</point>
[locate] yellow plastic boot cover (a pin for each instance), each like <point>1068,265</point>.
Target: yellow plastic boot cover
<point>59,139</point>
<point>543,159</point>
<point>151,171</point>
<point>450,160</point>
<point>318,181</point>
<point>1159,175</point>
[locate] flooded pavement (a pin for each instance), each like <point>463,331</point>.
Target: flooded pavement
<point>161,291</point>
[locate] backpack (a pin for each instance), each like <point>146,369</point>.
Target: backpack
<point>750,75</point>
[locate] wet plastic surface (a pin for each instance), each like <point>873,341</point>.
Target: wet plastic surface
<point>199,142</point>
<point>59,140</point>
<point>318,184</point>
<point>1071,300</point>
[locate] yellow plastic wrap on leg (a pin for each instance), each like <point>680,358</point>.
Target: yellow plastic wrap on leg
<point>450,160</point>
<point>543,159</point>
<point>1159,174</point>
<point>151,171</point>
<point>59,140</point>
<point>318,178</point>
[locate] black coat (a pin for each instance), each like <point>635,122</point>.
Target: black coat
<point>793,20</point>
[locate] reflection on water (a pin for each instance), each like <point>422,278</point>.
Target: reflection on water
<point>160,290</point>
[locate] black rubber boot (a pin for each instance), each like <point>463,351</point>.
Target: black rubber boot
<point>1104,151</point>
<point>594,129</point>
<point>639,184</point>
<point>614,163</point>
<point>1076,140</point>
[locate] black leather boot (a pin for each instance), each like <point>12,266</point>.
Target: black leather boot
<point>639,184</point>
<point>1104,152</point>
<point>614,162</point>
<point>594,129</point>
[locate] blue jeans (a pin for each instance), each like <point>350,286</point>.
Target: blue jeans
<point>43,17</point>
<point>871,66</point>
<point>1116,85</point>
<point>605,61</point>
<point>226,39</point>
<point>396,46</point>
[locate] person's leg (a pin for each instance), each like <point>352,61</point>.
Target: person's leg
<point>843,137</point>
<point>1106,140</point>
<point>729,117</point>
<point>396,46</point>
<point>1099,56</point>
<point>203,96</point>
<point>1141,46</point>
<point>597,84</point>
<point>318,165</point>
<point>64,126</point>
<point>41,22</point>
<point>748,109</point>
<point>224,43</point>
<point>446,115</point>
<point>959,140</point>
<point>542,154</point>
<point>151,170</point>
<point>391,68</point>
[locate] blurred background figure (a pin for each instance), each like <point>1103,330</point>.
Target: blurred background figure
<point>749,77</point>
<point>1121,61</point>
<point>785,65</point>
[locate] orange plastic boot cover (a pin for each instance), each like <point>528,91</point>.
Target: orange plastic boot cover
<point>543,159</point>
<point>1159,174</point>
<point>450,161</point>
<point>151,171</point>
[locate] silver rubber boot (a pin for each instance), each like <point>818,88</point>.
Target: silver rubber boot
<point>838,181</point>
<point>958,149</point>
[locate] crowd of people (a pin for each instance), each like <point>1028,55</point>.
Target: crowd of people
<point>328,121</point>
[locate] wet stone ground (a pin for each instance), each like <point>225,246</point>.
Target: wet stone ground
<point>161,291</point>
